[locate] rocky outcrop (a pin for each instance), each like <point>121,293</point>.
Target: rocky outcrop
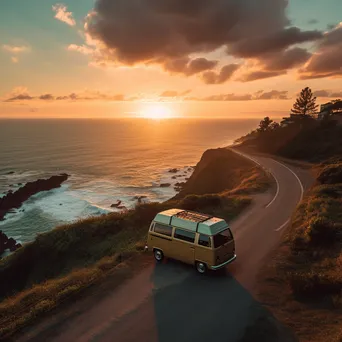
<point>14,199</point>
<point>179,186</point>
<point>7,244</point>
<point>139,198</point>
<point>165,185</point>
<point>173,170</point>
<point>116,205</point>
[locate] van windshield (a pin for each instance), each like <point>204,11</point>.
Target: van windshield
<point>222,238</point>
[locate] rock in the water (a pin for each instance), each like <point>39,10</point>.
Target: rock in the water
<point>10,173</point>
<point>174,177</point>
<point>173,170</point>
<point>139,198</point>
<point>116,205</point>
<point>165,185</point>
<point>7,243</point>
<point>179,186</point>
<point>122,207</point>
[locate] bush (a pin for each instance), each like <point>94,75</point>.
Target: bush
<point>321,231</point>
<point>331,174</point>
<point>329,190</point>
<point>195,202</point>
<point>313,285</point>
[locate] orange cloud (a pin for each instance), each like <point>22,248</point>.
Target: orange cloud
<point>62,14</point>
<point>327,60</point>
<point>16,49</point>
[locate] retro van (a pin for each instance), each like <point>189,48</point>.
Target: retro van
<point>197,239</point>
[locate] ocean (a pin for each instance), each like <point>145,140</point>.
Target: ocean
<point>108,160</point>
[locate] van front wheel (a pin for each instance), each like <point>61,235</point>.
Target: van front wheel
<point>201,267</point>
<point>158,255</point>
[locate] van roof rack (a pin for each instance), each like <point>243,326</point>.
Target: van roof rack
<point>193,216</point>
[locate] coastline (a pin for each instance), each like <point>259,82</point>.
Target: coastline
<point>91,198</point>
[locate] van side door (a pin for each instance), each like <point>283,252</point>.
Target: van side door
<point>183,248</point>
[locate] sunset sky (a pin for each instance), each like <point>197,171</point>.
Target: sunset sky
<point>217,58</point>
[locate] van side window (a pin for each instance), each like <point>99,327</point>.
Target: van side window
<point>204,240</point>
<point>185,235</point>
<point>162,229</point>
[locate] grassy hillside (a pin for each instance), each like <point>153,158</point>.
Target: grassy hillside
<point>72,257</point>
<point>309,139</point>
<point>222,169</point>
<point>308,270</point>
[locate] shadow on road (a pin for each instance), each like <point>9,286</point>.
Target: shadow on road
<point>213,307</point>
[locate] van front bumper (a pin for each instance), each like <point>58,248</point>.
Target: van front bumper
<point>223,264</point>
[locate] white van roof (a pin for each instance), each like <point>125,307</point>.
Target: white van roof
<point>202,223</point>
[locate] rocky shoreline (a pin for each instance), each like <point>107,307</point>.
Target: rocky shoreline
<point>7,243</point>
<point>14,200</point>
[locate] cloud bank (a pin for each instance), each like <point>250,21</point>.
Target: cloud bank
<point>21,94</point>
<point>178,35</point>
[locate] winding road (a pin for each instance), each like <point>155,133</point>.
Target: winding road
<point>171,303</point>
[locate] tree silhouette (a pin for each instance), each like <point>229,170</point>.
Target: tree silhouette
<point>265,124</point>
<point>305,103</point>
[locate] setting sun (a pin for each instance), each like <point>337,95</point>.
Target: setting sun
<point>157,111</point>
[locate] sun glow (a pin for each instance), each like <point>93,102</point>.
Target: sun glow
<point>157,111</point>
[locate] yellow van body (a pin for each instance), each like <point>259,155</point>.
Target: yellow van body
<point>198,239</point>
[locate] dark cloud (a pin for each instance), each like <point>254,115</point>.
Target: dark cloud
<point>190,67</point>
<point>273,95</point>
<point>336,95</point>
<point>93,95</point>
<point>228,97</point>
<point>260,95</point>
<point>20,97</point>
<point>327,59</point>
<point>173,93</point>
<point>47,97</point>
<point>226,72</point>
<point>276,64</point>
<point>261,74</point>
<point>275,42</point>
<point>286,59</point>
<point>86,96</point>
<point>313,21</point>
<point>327,93</point>
<point>169,32</point>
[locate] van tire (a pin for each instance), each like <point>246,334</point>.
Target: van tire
<point>201,267</point>
<point>158,255</point>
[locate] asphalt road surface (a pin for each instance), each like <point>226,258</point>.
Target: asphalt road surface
<point>170,302</point>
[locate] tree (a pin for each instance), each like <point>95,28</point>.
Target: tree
<point>274,126</point>
<point>305,103</point>
<point>264,125</point>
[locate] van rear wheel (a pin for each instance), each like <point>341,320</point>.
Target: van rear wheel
<point>201,267</point>
<point>158,255</point>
